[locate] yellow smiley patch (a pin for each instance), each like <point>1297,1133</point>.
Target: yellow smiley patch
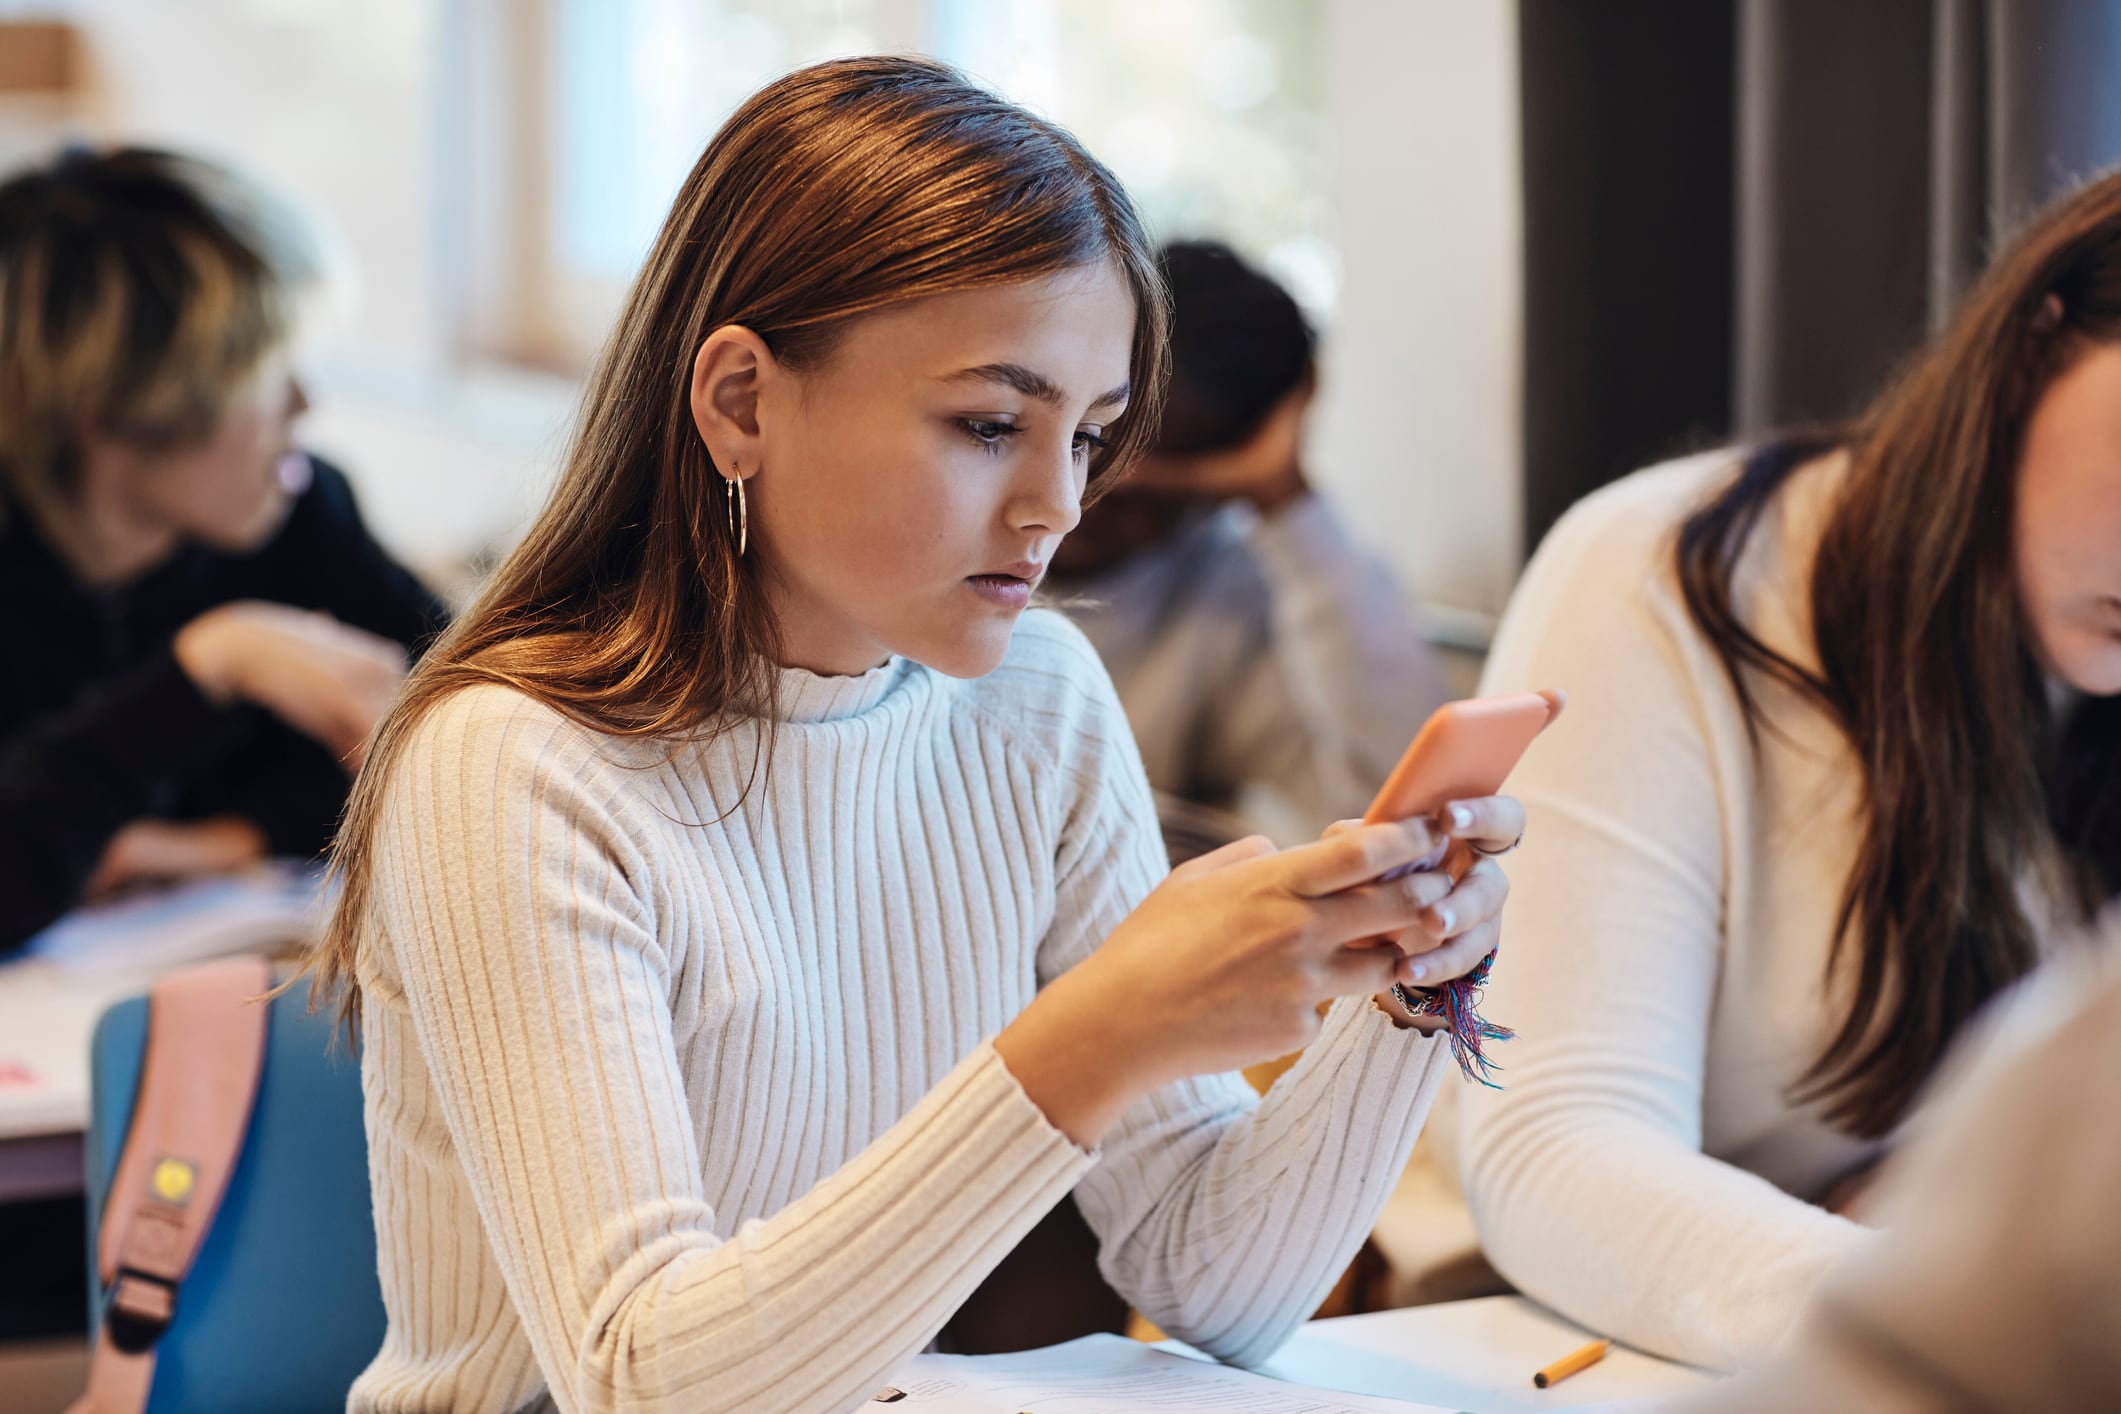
<point>172,1181</point>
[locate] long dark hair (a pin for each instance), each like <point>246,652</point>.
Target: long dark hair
<point>832,192</point>
<point>1925,664</point>
<point>1239,345</point>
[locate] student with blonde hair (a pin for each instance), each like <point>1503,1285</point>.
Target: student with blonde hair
<point>201,632</point>
<point>757,920</point>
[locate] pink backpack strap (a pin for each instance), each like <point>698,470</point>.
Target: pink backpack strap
<point>205,1049</point>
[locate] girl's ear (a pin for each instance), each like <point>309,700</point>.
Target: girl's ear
<point>725,396</point>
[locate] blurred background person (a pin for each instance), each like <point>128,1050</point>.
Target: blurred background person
<point>202,631</point>
<point>1271,668</point>
<point>1998,1281</point>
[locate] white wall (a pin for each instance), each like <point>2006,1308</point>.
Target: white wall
<point>1419,428</point>
<point>329,102</point>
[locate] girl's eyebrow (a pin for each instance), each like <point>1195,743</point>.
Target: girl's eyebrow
<point>1033,384</point>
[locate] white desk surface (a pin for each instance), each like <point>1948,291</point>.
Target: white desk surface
<point>51,995</point>
<point>1472,1355</point>
<point>47,1013</point>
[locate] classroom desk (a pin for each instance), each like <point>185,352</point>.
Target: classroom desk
<point>1472,1355</point>
<point>51,995</point>
<point>47,1014</point>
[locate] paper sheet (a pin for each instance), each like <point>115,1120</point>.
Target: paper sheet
<point>1106,1374</point>
<point>275,902</point>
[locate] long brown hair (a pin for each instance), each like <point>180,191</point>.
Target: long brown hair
<point>1925,662</point>
<point>831,193</point>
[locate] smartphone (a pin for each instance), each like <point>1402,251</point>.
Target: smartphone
<point>1465,749</point>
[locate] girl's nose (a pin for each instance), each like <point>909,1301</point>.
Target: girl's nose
<point>1053,503</point>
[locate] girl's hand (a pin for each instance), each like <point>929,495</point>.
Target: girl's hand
<point>1225,963</point>
<point>323,678</point>
<point>160,851</point>
<point>1470,917</point>
<point>1464,925</point>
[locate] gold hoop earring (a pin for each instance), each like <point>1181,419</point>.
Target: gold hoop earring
<point>739,516</point>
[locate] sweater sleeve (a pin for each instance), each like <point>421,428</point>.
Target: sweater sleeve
<point>1225,1218</point>
<point>522,927</point>
<point>1585,1171</point>
<point>1322,715</point>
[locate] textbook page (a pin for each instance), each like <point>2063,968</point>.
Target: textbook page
<point>1106,1374</point>
<point>279,901</point>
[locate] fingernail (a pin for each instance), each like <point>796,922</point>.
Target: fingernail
<point>1446,919</point>
<point>1421,970</point>
<point>1461,818</point>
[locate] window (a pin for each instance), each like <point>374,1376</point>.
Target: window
<point>1211,112</point>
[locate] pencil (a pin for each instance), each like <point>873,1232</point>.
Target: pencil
<point>1570,1363</point>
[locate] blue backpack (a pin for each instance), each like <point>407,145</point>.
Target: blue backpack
<point>233,1261</point>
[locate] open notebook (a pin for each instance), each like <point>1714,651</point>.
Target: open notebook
<point>274,903</point>
<point>1106,1374</point>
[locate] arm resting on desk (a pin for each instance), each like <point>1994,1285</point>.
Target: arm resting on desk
<point>71,780</point>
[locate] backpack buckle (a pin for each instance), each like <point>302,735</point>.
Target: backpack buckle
<point>138,1309</point>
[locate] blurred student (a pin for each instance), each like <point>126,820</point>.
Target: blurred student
<point>1999,1282</point>
<point>201,632</point>
<point>1843,754</point>
<point>756,918</point>
<point>1268,665</point>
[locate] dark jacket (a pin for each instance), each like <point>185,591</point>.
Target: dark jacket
<point>100,727</point>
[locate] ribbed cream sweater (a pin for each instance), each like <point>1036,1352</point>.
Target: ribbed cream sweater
<point>680,1103</point>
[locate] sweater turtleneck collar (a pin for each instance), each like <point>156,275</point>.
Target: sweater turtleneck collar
<point>806,697</point>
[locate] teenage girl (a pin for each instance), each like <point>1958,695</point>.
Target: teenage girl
<point>757,920</point>
<point>1845,758</point>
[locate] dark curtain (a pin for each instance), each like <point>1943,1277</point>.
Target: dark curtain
<point>1627,129</point>
<point>1741,214</point>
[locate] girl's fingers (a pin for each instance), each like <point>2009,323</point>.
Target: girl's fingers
<point>1479,896</point>
<point>1357,856</point>
<point>1489,823</point>
<point>1355,972</point>
<point>1373,913</point>
<point>1454,959</point>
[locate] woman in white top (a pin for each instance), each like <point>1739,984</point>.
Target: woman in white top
<point>1843,750</point>
<point>754,926</point>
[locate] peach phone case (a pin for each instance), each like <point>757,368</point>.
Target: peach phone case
<point>1465,749</point>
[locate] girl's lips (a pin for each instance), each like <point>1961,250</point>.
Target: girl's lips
<point>1005,590</point>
